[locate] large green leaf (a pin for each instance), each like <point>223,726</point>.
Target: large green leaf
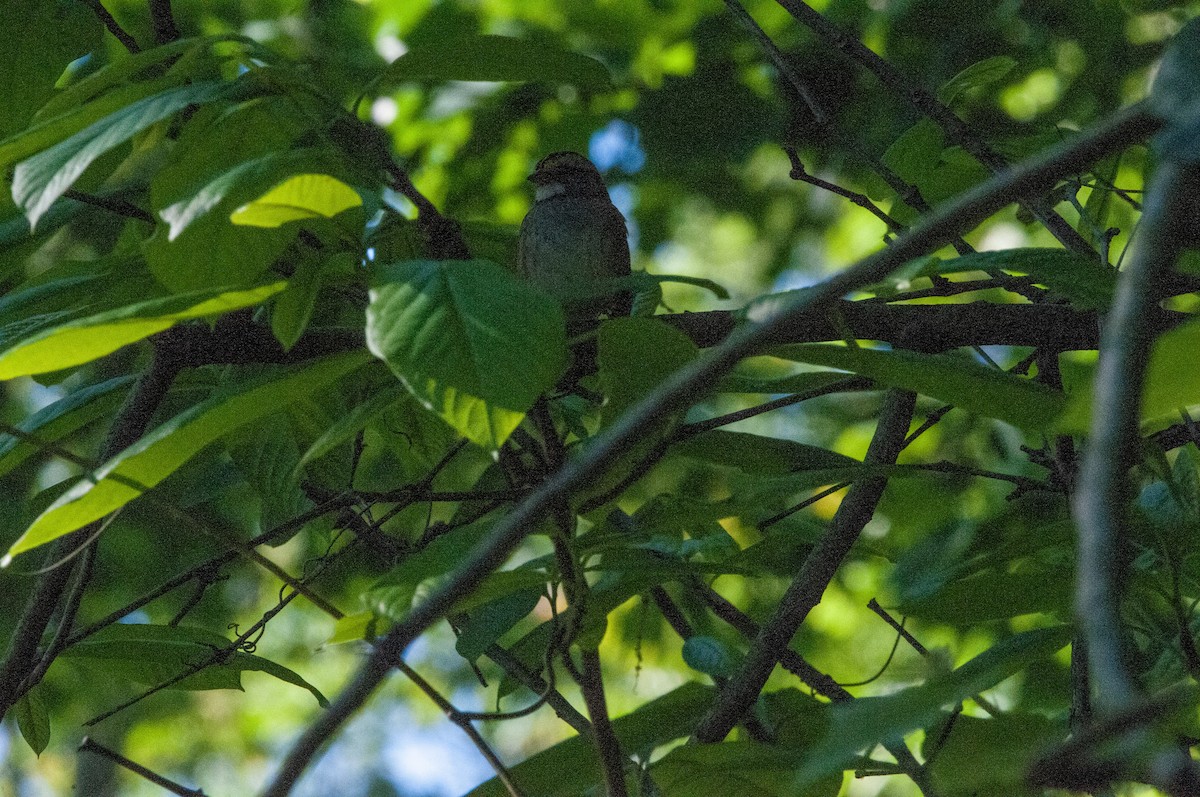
<point>33,719</point>
<point>304,196</point>
<point>225,158</point>
<point>860,724</point>
<point>162,451</point>
<point>757,454</point>
<point>45,132</point>
<point>744,768</point>
<point>495,58</point>
<point>634,356</point>
<point>89,338</point>
<point>954,380</point>
<point>1009,743</point>
<point>41,179</point>
<point>194,201</point>
<point>569,767</point>
<point>472,342</point>
<point>994,595</point>
<point>150,655</point>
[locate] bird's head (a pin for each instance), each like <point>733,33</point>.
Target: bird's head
<point>566,173</point>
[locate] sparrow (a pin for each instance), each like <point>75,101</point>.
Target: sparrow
<point>573,240</point>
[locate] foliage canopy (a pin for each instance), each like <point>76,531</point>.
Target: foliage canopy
<point>851,494</point>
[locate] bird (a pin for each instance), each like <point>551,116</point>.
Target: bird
<point>573,240</point>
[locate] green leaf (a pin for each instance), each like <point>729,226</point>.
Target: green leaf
<point>249,175</point>
<point>349,424</point>
<point>495,58</point>
<point>90,338</point>
<point>744,768</point>
<point>40,180</point>
<point>980,73</point>
<point>355,627</point>
<point>710,656</point>
<point>392,595</point>
<point>163,450</point>
<point>995,595</point>
<point>1085,281</point>
<point>491,621</point>
<point>305,196</point>
<point>47,131</point>
<point>916,153</point>
<point>862,723</point>
<point>52,35</point>
<point>1172,382</point>
<point>472,342</point>
<point>33,720</point>
<point>226,157</point>
<point>634,356</point>
<point>965,384</point>
<point>150,655</point>
<point>267,454</point>
<point>1010,743</point>
<point>293,310</point>
<point>757,454</point>
<point>55,421</point>
<point>567,768</point>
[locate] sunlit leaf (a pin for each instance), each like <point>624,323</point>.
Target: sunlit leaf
<point>305,196</point>
<point>162,451</point>
<point>89,338</point>
<point>43,178</point>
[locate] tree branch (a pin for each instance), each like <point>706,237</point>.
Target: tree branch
<point>1112,447</point>
<point>163,21</point>
<point>113,26</point>
<point>818,570</point>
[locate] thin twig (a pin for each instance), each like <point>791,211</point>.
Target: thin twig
<point>906,191</point>
<point>464,724</point>
<point>820,682</point>
<point>904,633</point>
<point>88,745</point>
<point>800,174</point>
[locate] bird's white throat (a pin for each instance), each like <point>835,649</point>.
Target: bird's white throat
<point>548,190</point>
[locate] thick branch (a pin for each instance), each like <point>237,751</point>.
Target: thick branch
<point>818,570</point>
<point>1103,489</point>
<point>678,390</point>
